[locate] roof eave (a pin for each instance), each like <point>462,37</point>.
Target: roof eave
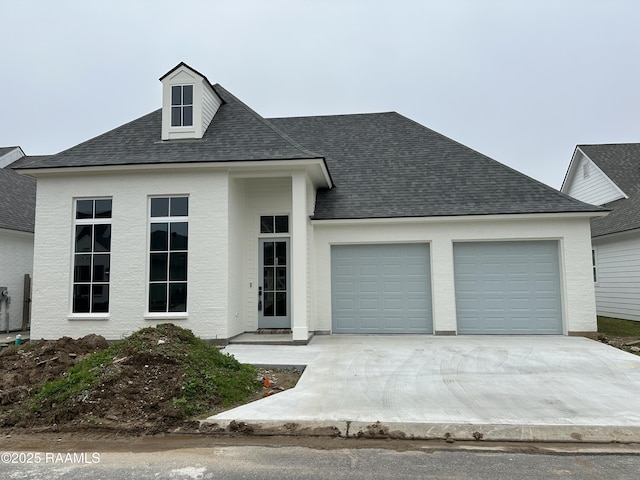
<point>616,233</point>
<point>283,163</point>
<point>463,217</point>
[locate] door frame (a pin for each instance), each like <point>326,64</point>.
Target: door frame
<point>282,321</point>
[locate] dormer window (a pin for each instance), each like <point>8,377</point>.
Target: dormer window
<point>182,105</point>
<point>189,103</point>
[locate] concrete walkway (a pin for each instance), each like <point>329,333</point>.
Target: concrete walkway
<point>508,388</point>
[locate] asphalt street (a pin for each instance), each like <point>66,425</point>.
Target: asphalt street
<point>284,463</point>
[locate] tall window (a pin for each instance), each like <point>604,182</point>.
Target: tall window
<point>169,242</point>
<point>92,256</point>
<point>182,105</point>
<point>594,265</point>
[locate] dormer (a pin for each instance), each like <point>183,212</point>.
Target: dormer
<point>189,103</point>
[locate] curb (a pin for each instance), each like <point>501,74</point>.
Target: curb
<point>432,431</point>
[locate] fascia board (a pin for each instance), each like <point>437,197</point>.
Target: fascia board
<point>323,178</point>
<point>460,218</point>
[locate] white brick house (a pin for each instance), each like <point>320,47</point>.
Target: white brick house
<point>205,214</point>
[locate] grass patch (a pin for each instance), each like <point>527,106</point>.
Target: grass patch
<point>81,377</point>
<point>163,369</point>
<point>618,327</point>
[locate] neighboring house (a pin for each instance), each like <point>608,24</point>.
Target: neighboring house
<point>205,214</point>
<point>17,213</point>
<point>609,175</point>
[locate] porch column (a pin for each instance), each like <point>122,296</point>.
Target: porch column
<point>299,257</point>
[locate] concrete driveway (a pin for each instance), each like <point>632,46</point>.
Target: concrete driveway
<point>524,388</point>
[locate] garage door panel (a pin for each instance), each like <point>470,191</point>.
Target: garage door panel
<point>394,323</point>
<point>415,289</point>
<point>370,323</point>
<point>390,288</point>
<point>392,269</point>
<point>368,270</point>
<point>346,303</point>
<point>507,287</point>
<point>368,303</point>
<point>518,287</point>
<point>344,288</point>
<point>368,285</point>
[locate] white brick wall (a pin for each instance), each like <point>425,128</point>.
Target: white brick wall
<point>208,252</point>
<point>16,260</point>
<point>575,259</point>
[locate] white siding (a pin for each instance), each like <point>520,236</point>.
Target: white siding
<point>16,260</point>
<point>596,188</point>
<point>573,234</point>
<point>210,105</point>
<point>618,269</point>
<point>208,288</point>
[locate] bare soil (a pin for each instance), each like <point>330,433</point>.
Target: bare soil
<point>628,344</point>
<point>136,397</point>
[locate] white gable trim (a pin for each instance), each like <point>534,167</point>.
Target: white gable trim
<point>578,187</point>
<point>11,156</point>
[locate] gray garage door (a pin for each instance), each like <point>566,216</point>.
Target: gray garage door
<point>381,288</point>
<point>507,287</point>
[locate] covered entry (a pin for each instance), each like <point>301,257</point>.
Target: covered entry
<point>508,287</point>
<point>381,288</point>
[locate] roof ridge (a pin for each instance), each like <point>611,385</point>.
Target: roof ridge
<point>606,144</point>
<point>267,123</point>
<point>333,115</point>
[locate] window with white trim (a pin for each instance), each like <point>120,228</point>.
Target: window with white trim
<point>92,255</point>
<point>182,105</point>
<point>594,265</point>
<point>168,252</point>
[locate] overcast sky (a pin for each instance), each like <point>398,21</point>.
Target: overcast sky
<point>521,81</point>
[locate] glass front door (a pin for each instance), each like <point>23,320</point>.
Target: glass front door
<point>274,285</point>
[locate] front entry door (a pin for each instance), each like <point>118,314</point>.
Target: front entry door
<point>274,284</point>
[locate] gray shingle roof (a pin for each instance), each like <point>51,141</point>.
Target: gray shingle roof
<point>383,164</point>
<point>386,165</point>
<point>621,163</point>
<point>17,200</point>
<point>235,133</point>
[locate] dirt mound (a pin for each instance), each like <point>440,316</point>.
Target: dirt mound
<point>153,381</point>
<point>23,370</point>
